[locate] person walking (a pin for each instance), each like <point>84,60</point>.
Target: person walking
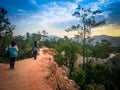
<point>12,49</point>
<point>35,50</point>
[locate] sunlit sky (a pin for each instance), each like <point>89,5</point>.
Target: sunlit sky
<point>54,16</point>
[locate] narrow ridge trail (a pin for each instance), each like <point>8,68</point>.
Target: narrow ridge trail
<point>29,74</point>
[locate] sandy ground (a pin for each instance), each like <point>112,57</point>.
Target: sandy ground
<point>29,74</point>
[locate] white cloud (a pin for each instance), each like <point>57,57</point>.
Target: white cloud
<point>33,1</point>
<point>77,1</point>
<point>21,11</point>
<point>54,19</point>
<point>97,5</point>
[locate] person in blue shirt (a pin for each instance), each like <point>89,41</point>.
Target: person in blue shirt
<point>35,50</point>
<point>13,52</point>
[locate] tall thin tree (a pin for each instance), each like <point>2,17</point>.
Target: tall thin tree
<point>87,20</point>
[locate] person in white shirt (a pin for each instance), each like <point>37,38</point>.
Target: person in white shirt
<point>13,52</point>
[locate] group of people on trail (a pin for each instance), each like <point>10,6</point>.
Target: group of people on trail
<point>12,52</point>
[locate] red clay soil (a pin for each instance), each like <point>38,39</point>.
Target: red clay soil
<point>28,75</point>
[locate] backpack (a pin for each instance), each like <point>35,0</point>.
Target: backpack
<point>35,48</point>
<point>13,52</point>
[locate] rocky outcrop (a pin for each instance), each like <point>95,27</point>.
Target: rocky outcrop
<point>79,60</point>
<point>114,61</point>
<point>58,80</point>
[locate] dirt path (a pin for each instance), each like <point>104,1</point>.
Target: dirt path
<point>29,74</point>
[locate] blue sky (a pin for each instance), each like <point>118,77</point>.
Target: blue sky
<point>55,16</point>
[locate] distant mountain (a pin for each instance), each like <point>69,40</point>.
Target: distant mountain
<point>50,37</point>
<point>115,41</point>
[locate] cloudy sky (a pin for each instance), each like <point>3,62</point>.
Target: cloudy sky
<point>55,16</point>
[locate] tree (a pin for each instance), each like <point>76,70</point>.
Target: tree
<point>44,34</point>
<point>87,20</point>
<point>102,49</point>
<point>36,36</point>
<point>6,29</point>
<point>28,35</point>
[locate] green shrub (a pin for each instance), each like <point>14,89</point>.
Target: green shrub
<point>78,75</point>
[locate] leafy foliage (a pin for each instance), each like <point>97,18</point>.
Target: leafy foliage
<point>67,53</point>
<point>6,31</point>
<point>79,76</point>
<point>98,76</point>
<point>102,49</point>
